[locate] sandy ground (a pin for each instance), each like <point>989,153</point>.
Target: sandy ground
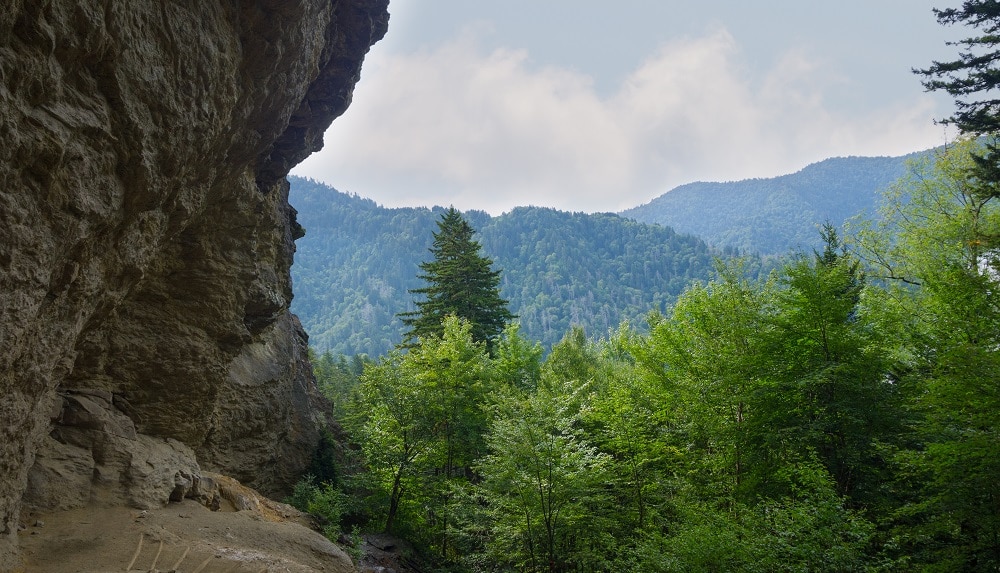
<point>185,537</point>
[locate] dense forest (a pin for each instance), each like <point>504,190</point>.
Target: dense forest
<point>358,261</point>
<point>779,214</point>
<point>837,414</point>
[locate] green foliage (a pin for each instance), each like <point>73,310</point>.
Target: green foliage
<point>542,483</point>
<point>975,72</point>
<point>838,415</point>
<point>420,420</point>
<point>518,361</point>
<point>354,269</point>
<point>460,282</point>
<point>809,531</point>
<point>565,270</point>
<point>710,357</point>
<point>355,547</point>
<point>834,394</point>
<point>394,434</point>
<point>936,236</point>
<point>324,466</point>
<point>973,79</point>
<point>574,358</point>
<point>337,377</point>
<point>329,505</point>
<point>705,540</point>
<point>627,418</point>
<point>302,492</point>
<point>323,501</point>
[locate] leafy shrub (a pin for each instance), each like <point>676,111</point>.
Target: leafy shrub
<point>323,501</point>
<point>328,504</point>
<point>302,493</point>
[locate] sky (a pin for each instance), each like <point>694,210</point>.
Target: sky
<point>598,106</point>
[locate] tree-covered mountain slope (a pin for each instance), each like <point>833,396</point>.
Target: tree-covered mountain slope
<point>775,215</point>
<point>357,262</point>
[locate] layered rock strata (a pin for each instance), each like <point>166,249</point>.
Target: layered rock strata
<point>146,237</point>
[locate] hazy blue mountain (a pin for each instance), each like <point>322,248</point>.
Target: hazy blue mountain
<point>774,215</point>
<point>357,262</point>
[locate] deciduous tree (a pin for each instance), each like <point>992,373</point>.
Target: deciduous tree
<point>937,222</point>
<point>832,393</point>
<point>542,482</point>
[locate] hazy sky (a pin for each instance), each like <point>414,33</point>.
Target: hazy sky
<point>594,105</point>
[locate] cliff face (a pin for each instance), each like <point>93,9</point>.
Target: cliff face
<point>146,238</point>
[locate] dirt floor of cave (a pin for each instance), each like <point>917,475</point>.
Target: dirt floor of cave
<point>184,536</point>
<point>106,539</point>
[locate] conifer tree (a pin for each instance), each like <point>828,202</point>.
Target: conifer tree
<point>460,282</point>
<point>972,80</point>
<point>976,73</point>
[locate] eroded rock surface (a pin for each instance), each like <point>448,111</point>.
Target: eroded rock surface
<point>145,235</point>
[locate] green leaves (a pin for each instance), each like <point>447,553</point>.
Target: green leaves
<point>460,282</point>
<point>354,270</point>
<point>829,418</point>
<point>541,480</point>
<point>834,369</point>
<point>975,72</point>
<point>939,232</point>
<point>420,421</point>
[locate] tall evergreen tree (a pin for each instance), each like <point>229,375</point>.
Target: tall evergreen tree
<point>973,80</point>
<point>976,72</point>
<point>460,282</point>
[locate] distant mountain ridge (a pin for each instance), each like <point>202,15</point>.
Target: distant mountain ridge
<point>778,214</point>
<point>358,260</point>
<point>355,265</point>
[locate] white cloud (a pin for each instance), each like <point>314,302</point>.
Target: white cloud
<point>455,125</point>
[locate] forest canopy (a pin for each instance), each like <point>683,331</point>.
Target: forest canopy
<point>838,414</point>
